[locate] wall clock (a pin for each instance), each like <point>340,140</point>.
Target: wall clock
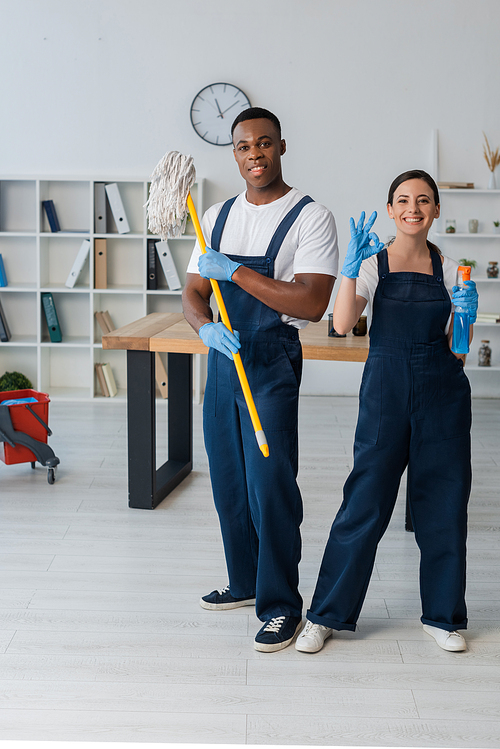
<point>214,109</point>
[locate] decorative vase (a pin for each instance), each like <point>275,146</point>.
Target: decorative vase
<point>492,184</point>
<point>492,269</point>
<point>473,225</point>
<point>484,355</point>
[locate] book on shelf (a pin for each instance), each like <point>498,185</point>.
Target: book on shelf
<point>100,264</point>
<point>168,265</point>
<point>105,322</point>
<point>50,211</point>
<point>152,284</point>
<point>3,275</point>
<point>455,185</point>
<point>78,264</point>
<point>50,312</point>
<point>110,380</point>
<point>117,209</point>
<point>100,220</point>
<point>101,380</point>
<point>4,326</point>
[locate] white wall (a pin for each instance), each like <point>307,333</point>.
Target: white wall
<point>103,87</point>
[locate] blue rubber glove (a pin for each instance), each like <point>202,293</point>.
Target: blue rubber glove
<point>467,299</point>
<point>217,266</point>
<point>216,335</point>
<point>359,248</point>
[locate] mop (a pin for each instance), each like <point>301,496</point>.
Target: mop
<point>169,201</point>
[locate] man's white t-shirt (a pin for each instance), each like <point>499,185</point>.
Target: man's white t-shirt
<point>310,245</point>
<point>367,281</point>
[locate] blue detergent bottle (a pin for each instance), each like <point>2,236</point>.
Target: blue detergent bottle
<point>460,341</point>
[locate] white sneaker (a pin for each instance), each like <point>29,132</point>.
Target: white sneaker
<point>312,638</point>
<point>447,640</point>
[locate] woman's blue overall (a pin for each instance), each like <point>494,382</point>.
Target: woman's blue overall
<point>415,410</point>
<point>257,498</point>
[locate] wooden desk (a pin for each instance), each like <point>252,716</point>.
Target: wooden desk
<point>172,334</point>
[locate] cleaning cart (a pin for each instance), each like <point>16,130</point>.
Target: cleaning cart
<point>24,428</point>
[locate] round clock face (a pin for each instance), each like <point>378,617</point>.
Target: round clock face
<point>214,109</point>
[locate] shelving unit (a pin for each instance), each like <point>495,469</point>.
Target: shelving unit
<point>38,260</point>
<point>483,247</point>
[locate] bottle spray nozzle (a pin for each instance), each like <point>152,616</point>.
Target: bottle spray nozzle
<point>463,274</point>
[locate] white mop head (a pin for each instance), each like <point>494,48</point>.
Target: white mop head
<point>171,182</point>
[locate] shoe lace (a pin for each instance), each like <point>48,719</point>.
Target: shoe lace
<point>224,590</point>
<point>312,628</point>
<point>274,625</point>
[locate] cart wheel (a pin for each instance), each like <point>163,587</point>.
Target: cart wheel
<point>51,475</point>
<point>33,465</point>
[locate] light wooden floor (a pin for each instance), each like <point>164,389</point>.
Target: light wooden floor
<point>102,637</point>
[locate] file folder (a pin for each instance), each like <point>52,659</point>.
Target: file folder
<point>50,312</point>
<point>168,265</point>
<point>3,275</point>
<point>117,209</point>
<point>100,264</point>
<point>78,264</point>
<point>4,327</point>
<point>152,284</point>
<point>50,210</point>
<point>100,221</point>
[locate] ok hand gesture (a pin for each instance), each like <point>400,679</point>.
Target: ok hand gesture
<point>360,247</point>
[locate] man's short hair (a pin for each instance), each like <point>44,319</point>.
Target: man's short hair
<point>256,113</point>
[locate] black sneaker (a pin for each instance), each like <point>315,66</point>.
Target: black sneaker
<point>277,633</point>
<point>220,600</point>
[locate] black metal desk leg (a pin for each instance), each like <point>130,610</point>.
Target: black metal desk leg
<point>148,485</point>
<point>141,420</point>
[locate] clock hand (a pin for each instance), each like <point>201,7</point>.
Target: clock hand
<point>221,114</point>
<point>226,110</point>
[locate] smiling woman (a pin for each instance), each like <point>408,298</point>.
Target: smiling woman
<point>414,410</point>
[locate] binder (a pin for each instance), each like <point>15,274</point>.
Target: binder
<point>152,266</point>
<point>4,327</point>
<point>3,275</point>
<point>50,210</point>
<point>102,380</point>
<point>168,265</point>
<point>161,376</point>
<point>117,209</point>
<point>100,264</point>
<point>78,264</point>
<point>50,312</point>
<point>100,222</point>
<point>110,380</point>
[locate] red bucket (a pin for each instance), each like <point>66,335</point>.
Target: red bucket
<point>24,421</point>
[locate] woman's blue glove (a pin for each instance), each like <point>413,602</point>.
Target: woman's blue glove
<point>467,299</point>
<point>216,335</point>
<point>216,265</point>
<point>359,248</point>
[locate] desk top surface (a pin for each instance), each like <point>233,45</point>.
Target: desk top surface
<point>171,332</point>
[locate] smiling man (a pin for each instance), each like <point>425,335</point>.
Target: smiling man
<point>274,252</point>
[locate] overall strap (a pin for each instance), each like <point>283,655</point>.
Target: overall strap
<point>437,266</point>
<point>284,227</point>
<point>383,263</point>
<point>219,224</point>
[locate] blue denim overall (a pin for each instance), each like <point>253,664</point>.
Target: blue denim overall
<point>415,410</point>
<point>257,498</point>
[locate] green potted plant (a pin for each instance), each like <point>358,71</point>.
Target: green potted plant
<point>14,381</point>
<point>496,227</point>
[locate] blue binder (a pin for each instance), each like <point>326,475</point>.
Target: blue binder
<point>3,275</point>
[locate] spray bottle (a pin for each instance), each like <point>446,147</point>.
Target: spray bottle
<point>460,342</point>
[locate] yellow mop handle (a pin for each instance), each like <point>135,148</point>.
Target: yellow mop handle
<point>259,432</point>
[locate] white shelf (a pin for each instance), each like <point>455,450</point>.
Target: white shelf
<point>469,235</point>
<point>38,260</point>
